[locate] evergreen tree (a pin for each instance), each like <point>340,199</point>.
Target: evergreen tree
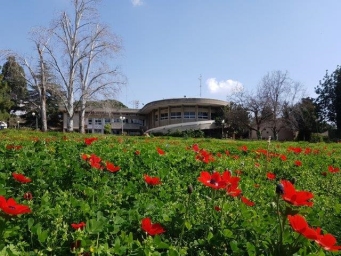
<point>5,100</point>
<point>14,76</point>
<point>329,98</point>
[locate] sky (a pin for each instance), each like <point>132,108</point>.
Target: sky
<point>200,48</point>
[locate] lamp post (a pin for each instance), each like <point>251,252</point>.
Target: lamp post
<point>222,128</point>
<point>34,114</point>
<point>122,119</point>
<point>18,124</point>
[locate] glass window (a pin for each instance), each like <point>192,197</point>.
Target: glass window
<point>98,121</point>
<point>164,116</point>
<point>97,131</point>
<point>156,117</point>
<point>175,115</point>
<point>107,121</point>
<point>189,115</point>
<point>202,115</point>
<point>90,121</point>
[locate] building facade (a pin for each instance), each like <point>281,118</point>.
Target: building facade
<point>157,116</point>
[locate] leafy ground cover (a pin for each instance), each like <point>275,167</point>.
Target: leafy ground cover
<point>68,194</point>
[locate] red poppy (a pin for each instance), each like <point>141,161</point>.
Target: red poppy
<point>298,163</point>
<point>300,225</point>
<point>247,201</point>
<point>150,228</point>
<point>11,207</point>
<point>160,151</point>
<point>297,198</point>
<point>213,180</point>
<point>111,167</point>
<point>324,173</point>
<point>333,169</point>
<point>295,150</point>
<point>21,178</point>
<point>327,242</point>
<point>271,176</point>
<point>80,225</point>
<point>152,180</point>
<point>137,152</point>
<point>89,141</point>
<point>28,196</point>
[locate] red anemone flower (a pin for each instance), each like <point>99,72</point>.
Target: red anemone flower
<point>11,207</point>
<point>283,157</point>
<point>213,180</point>
<point>204,156</point>
<point>89,141</point>
<point>80,225</point>
<point>327,242</point>
<point>111,167</point>
<point>152,180</point>
<point>298,163</point>
<point>21,178</point>
<point>160,151</point>
<point>300,225</point>
<point>243,148</point>
<point>150,228</point>
<point>271,176</point>
<point>247,201</point>
<point>297,198</point>
<point>95,161</point>
<point>333,169</point>
<point>195,147</point>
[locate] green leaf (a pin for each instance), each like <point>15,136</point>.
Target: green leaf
<point>251,250</point>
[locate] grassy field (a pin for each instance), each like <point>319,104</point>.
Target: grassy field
<point>72,194</point>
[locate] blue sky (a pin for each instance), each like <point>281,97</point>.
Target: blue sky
<point>168,45</point>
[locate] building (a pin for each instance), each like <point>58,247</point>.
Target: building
<point>160,116</point>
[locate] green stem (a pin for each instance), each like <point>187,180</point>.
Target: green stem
<point>280,235</point>
<point>185,218</point>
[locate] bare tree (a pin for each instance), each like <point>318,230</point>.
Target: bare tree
<point>256,105</point>
<point>278,89</point>
<point>94,74</point>
<point>80,50</point>
<point>38,79</point>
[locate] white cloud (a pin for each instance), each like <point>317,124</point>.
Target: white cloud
<point>137,2</point>
<point>223,87</point>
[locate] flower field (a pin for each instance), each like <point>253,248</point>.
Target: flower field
<point>71,194</point>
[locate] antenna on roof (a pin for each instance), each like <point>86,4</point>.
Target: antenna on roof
<point>200,84</point>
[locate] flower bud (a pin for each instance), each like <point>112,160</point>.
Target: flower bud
<point>190,189</point>
<point>279,189</point>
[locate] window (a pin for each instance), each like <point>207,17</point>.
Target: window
<point>97,131</point>
<point>98,121</point>
<point>164,116</point>
<point>189,115</point>
<point>202,115</point>
<point>156,117</point>
<point>175,115</point>
<point>107,121</point>
<point>90,121</point>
